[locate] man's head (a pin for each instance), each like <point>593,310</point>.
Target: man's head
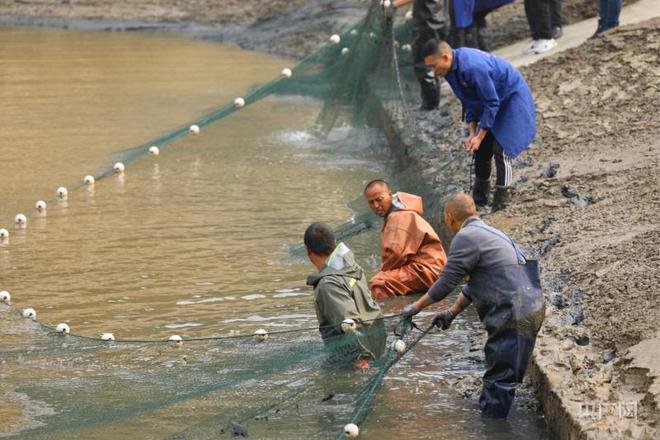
<point>459,207</point>
<point>439,56</point>
<point>379,197</point>
<point>320,242</point>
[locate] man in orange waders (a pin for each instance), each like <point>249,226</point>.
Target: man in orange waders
<point>412,254</point>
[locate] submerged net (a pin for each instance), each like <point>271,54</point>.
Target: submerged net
<point>231,385</point>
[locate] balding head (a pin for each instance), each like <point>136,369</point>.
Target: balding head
<point>459,207</point>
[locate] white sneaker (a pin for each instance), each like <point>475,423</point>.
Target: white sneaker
<point>542,46</point>
<point>531,48</point>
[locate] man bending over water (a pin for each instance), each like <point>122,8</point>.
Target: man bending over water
<point>411,251</point>
<point>340,293</point>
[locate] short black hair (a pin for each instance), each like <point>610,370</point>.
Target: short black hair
<point>376,182</point>
<point>320,239</point>
<point>432,47</point>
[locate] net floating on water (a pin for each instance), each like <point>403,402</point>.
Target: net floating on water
<point>62,193</point>
<point>5,297</point>
<point>20,220</point>
<point>63,328</point>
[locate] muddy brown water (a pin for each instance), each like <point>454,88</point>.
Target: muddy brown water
<point>194,241</point>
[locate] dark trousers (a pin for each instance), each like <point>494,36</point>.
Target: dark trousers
<point>539,18</point>
<point>555,13</point>
<point>429,83</point>
<point>608,13</point>
<point>483,159</point>
<point>507,356</point>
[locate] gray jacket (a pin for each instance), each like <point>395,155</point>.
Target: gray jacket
<point>499,281</point>
<point>341,292</point>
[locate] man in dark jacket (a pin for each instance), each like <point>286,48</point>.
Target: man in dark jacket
<point>498,108</point>
<point>505,289</point>
<point>429,23</point>
<point>341,293</point>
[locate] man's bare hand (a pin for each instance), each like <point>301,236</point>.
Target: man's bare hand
<point>473,143</point>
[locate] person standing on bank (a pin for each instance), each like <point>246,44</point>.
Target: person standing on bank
<point>542,17</point>
<point>429,23</point>
<point>504,287</point>
<point>498,108</point>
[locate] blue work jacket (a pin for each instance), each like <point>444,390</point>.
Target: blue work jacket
<point>464,10</point>
<point>495,95</point>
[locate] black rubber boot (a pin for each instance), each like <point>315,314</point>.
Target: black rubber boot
<point>481,191</point>
<point>501,198</point>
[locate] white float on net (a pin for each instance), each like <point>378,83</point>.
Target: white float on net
<point>354,32</point>
<point>89,180</point>
<point>20,220</point>
<point>344,50</point>
<point>107,337</point>
<point>194,129</point>
<point>387,4</point>
<point>40,206</point>
<point>335,39</point>
<point>409,15</point>
<point>239,102</point>
<point>286,73</point>
<point>119,168</point>
<point>351,430</point>
<point>62,328</point>
<point>399,346</point>
<point>154,150</point>
<point>406,48</point>
<point>29,313</point>
<point>176,338</point>
<point>260,335</point>
<point>62,193</point>
<point>5,297</point>
<point>348,326</point>
<point>4,234</point>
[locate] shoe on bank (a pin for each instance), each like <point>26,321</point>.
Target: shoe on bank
<point>543,46</point>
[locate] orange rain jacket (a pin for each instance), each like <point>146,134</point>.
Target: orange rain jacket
<point>412,254</point>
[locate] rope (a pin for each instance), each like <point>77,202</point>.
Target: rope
<point>392,357</point>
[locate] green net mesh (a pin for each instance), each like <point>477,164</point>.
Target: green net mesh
<point>285,387</point>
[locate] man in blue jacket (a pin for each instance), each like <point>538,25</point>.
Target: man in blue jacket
<point>506,291</point>
<point>498,108</point>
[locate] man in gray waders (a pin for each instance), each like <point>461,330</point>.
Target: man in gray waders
<point>341,293</point>
<point>429,23</point>
<point>504,287</point>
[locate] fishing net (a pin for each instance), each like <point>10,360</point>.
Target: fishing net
<point>290,385</point>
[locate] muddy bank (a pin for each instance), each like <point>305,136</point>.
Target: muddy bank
<point>585,202</point>
<point>291,28</point>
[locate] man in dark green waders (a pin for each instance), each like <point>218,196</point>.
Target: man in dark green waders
<point>504,287</point>
<point>350,321</point>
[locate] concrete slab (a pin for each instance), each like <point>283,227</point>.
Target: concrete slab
<point>577,33</point>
